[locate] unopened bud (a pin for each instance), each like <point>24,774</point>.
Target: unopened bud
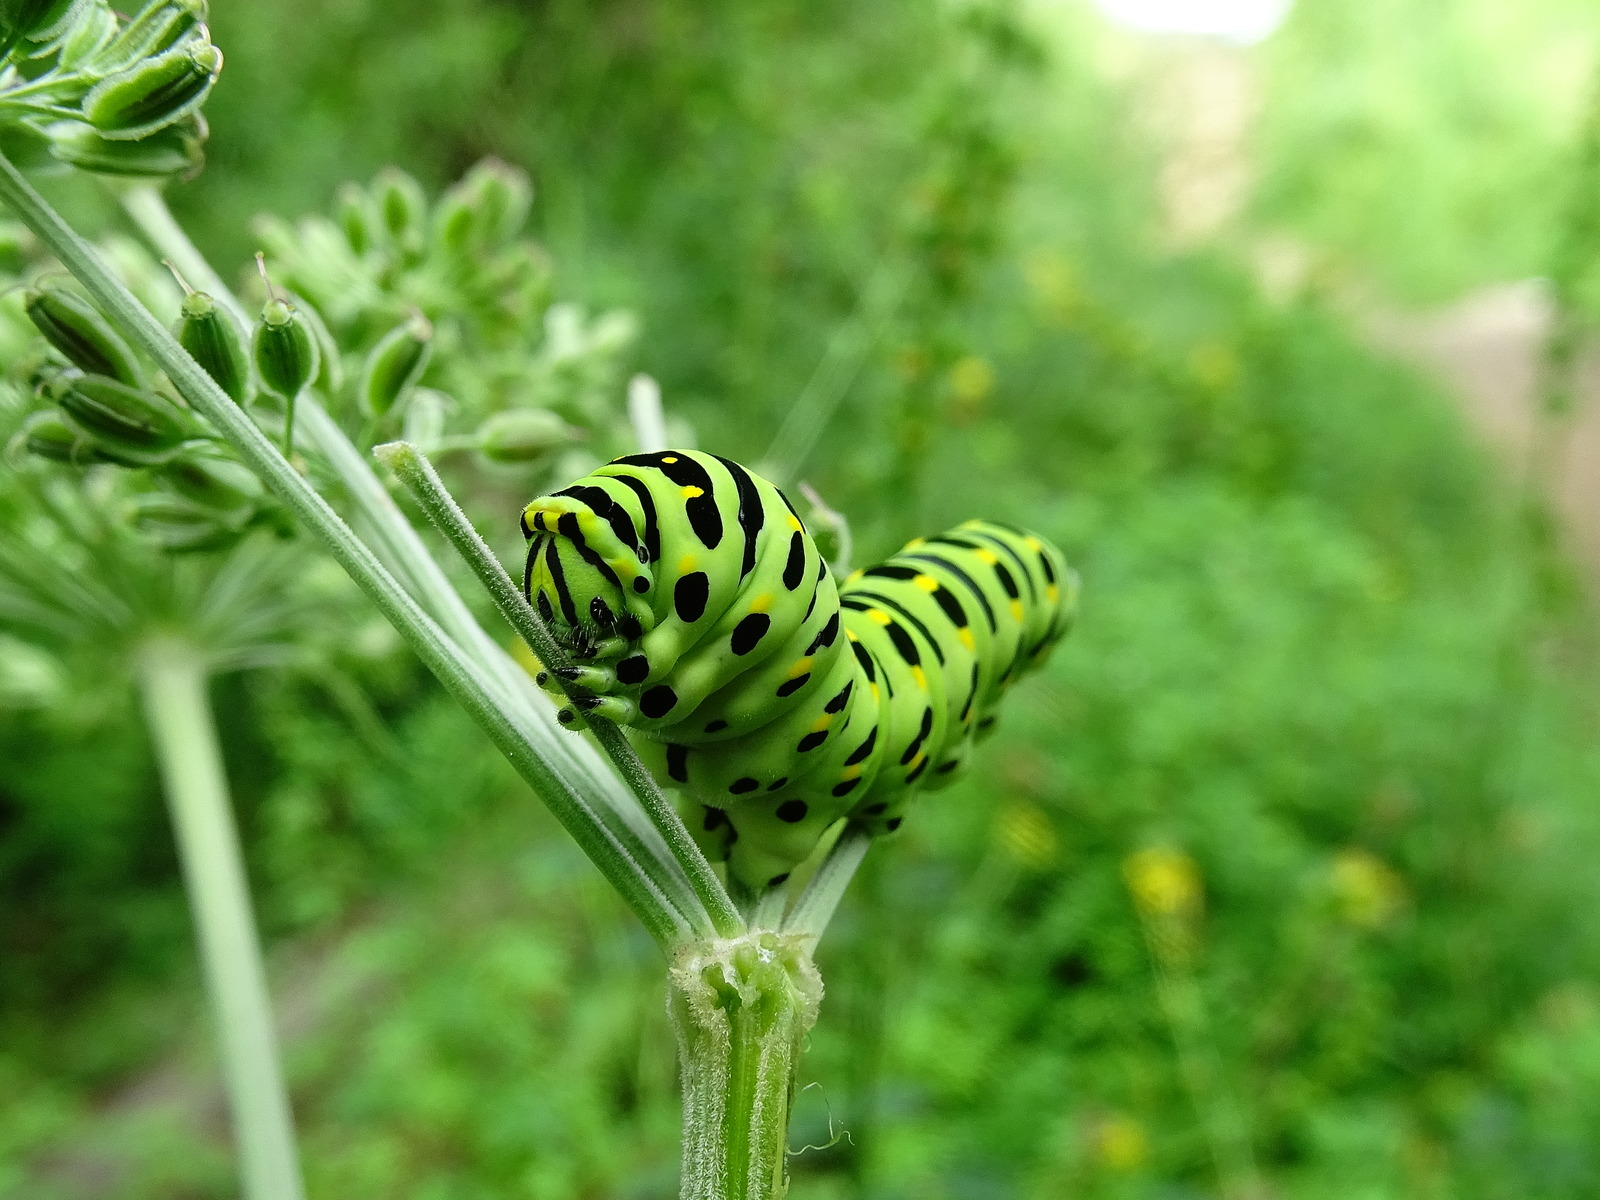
<point>74,327</point>
<point>487,208</point>
<point>125,420</point>
<point>284,349</point>
<point>402,207</point>
<point>90,34</point>
<point>155,93</point>
<point>34,20</point>
<point>353,210</point>
<point>522,435</point>
<point>158,27</point>
<point>395,364</point>
<point>214,340</point>
<point>178,151</point>
<point>48,435</point>
<point>211,479</point>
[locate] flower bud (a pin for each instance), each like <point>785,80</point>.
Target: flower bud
<point>353,210</point>
<point>74,327</point>
<point>214,340</point>
<point>125,420</point>
<point>157,28</point>
<point>178,151</point>
<point>486,209</point>
<point>285,350</point>
<point>155,93</point>
<point>522,435</point>
<point>49,435</point>
<point>34,20</point>
<point>395,364</point>
<point>91,32</point>
<point>425,417</point>
<point>211,479</point>
<point>402,207</point>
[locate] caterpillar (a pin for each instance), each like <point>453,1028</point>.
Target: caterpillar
<point>702,616</point>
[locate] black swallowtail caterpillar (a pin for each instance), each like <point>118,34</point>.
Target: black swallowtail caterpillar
<point>706,621</point>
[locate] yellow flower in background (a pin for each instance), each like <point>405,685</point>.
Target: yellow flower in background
<point>1026,832</point>
<point>1119,1143</point>
<point>1164,882</point>
<point>1369,893</point>
<point>1054,282</point>
<point>971,383</point>
<point>1215,366</point>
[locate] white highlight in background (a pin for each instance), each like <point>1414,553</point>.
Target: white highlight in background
<point>1234,20</point>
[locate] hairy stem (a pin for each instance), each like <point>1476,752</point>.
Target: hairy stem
<point>741,1009</point>
<point>414,470</point>
<point>172,682</point>
<point>570,794</point>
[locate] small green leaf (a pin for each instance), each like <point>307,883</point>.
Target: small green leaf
<point>522,435</point>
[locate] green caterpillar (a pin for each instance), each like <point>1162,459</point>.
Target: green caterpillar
<point>707,622</point>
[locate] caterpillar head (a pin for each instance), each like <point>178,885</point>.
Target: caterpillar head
<point>579,598</point>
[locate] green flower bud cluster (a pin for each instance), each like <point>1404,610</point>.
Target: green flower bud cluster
<point>90,89</point>
<point>103,406</point>
<point>439,315</point>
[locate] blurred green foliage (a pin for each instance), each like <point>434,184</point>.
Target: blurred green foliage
<point>1323,663</point>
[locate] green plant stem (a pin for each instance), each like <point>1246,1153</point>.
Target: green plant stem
<point>817,904</point>
<point>172,679</point>
<point>570,795</point>
<point>414,470</point>
<point>741,1009</point>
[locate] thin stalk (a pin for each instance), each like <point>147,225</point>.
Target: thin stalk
<point>570,799</point>
<point>645,415</point>
<point>817,904</point>
<point>172,679</point>
<point>414,470</point>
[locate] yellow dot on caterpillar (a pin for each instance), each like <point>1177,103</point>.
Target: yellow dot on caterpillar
<point>850,773</point>
<point>1052,593</point>
<point>915,542</point>
<point>987,557</point>
<point>686,564</point>
<point>822,722</point>
<point>878,615</point>
<point>926,582</point>
<point>851,636</point>
<point>1016,609</point>
<point>965,635</point>
<point>689,491</point>
<point>800,667</point>
<point>916,762</point>
<point>922,679</point>
<point>874,688</point>
<point>1033,543</point>
<point>794,524</point>
<point>761,603</point>
<point>854,575</point>
<point>669,458</point>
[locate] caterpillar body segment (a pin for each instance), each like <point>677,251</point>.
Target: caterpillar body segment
<point>703,618</point>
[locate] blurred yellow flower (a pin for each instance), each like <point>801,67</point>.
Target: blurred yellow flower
<point>1164,882</point>
<point>1119,1143</point>
<point>1215,366</point>
<point>971,382</point>
<point>1368,891</point>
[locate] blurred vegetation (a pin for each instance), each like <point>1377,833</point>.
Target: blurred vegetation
<point>1279,877</point>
